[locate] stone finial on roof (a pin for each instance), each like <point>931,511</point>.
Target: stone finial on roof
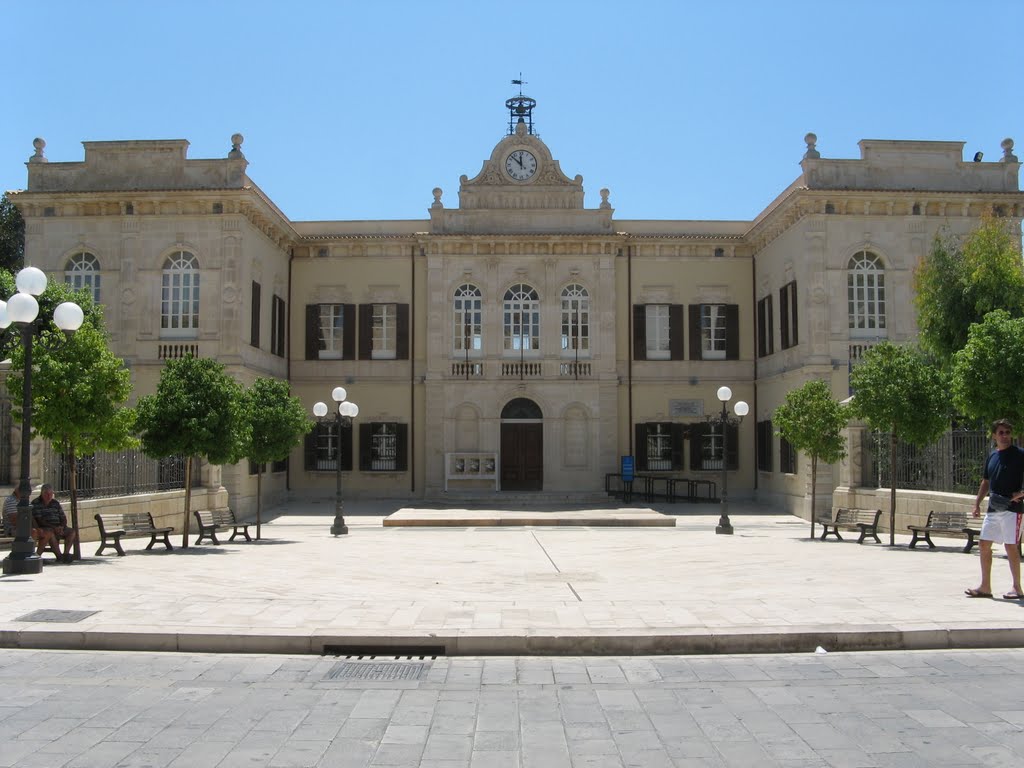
<point>437,192</point>
<point>604,199</point>
<point>1008,156</point>
<point>811,154</point>
<point>38,157</point>
<point>236,147</point>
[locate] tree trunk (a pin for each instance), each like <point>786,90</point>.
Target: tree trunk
<point>892,488</point>
<point>814,487</point>
<point>73,465</point>
<point>188,502</point>
<point>259,497</point>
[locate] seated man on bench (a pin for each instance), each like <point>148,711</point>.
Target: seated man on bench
<point>10,521</point>
<point>50,517</point>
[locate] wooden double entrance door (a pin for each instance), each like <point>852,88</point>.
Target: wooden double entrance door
<point>522,446</point>
<point>522,456</point>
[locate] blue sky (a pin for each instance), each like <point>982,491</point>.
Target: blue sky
<point>353,110</point>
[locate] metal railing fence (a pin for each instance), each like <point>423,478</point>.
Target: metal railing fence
<point>117,473</point>
<point>953,464</point>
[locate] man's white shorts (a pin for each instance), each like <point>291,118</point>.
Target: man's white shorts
<point>1000,527</point>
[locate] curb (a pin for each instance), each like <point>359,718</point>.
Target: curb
<point>530,644</point>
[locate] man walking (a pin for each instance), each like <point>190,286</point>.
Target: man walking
<point>1002,482</point>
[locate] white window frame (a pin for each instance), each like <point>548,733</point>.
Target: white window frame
<point>712,454</point>
<point>865,295</point>
<point>575,317</point>
<point>659,446</point>
<point>714,331</point>
<point>332,331</point>
<point>179,296</point>
<point>467,314</point>
<point>384,330</point>
<point>83,272</point>
<point>521,321</point>
<point>658,328</point>
<point>383,447</point>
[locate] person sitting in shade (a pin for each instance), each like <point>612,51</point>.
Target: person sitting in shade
<point>10,520</point>
<point>49,516</point>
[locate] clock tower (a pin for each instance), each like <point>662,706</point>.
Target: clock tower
<point>520,189</point>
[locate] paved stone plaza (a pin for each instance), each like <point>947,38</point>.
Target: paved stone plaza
<point>517,590</point>
<point>900,709</point>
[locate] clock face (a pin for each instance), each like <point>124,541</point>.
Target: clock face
<point>521,165</point>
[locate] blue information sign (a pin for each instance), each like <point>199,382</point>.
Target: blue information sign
<point>627,469</point>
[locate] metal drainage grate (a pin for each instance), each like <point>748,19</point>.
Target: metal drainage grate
<point>49,614</point>
<point>363,670</point>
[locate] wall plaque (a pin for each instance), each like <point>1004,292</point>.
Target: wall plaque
<point>681,409</point>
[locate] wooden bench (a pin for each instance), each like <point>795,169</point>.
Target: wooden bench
<point>948,523</point>
<point>863,520</point>
<point>213,520</point>
<point>129,525</point>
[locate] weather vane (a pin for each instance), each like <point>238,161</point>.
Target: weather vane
<point>520,82</point>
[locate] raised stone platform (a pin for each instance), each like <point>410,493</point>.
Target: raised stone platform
<point>414,516</point>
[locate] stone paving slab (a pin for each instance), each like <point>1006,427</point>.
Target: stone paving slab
<point>484,590</point>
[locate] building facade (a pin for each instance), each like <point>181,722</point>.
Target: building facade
<point>515,342</point>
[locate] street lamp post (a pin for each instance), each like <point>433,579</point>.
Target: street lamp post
<point>346,412</point>
<point>22,309</point>
<point>724,421</point>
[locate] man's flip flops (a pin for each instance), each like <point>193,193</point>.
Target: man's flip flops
<point>977,593</point>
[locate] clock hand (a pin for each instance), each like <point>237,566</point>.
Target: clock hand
<point>519,158</point>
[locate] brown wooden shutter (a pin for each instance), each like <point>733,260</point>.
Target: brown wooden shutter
<point>346,446</point>
<point>640,448</point>
<point>348,332</point>
<point>639,332</point>
<point>401,447</point>
<point>783,318</point>
<point>696,348</point>
<point>365,446</point>
<point>309,449</point>
<point>676,345</point>
<point>402,332</point>
<point>313,341</point>
<point>365,332</point>
<point>678,436</point>
<point>795,335</point>
<point>697,432</point>
<point>254,332</point>
<point>732,331</point>
<point>732,452</point>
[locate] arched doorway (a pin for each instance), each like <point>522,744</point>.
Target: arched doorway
<point>522,446</point>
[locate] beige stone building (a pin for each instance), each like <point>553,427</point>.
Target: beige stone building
<point>512,341</point>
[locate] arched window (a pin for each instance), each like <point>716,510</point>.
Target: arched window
<point>576,320</point>
<point>467,319</point>
<point>865,293</point>
<point>521,319</point>
<point>179,297</point>
<point>83,271</point>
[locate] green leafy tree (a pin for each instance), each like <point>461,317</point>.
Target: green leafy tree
<point>196,411</point>
<point>813,422</point>
<point>78,387</point>
<point>12,236</point>
<point>896,390</point>
<point>987,372</point>
<point>958,284</point>
<point>277,422</point>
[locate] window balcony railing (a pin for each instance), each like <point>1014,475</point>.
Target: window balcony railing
<point>174,351</point>
<point>464,370</point>
<point>574,370</point>
<point>521,370</point>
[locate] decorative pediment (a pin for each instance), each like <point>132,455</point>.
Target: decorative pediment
<point>505,182</point>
